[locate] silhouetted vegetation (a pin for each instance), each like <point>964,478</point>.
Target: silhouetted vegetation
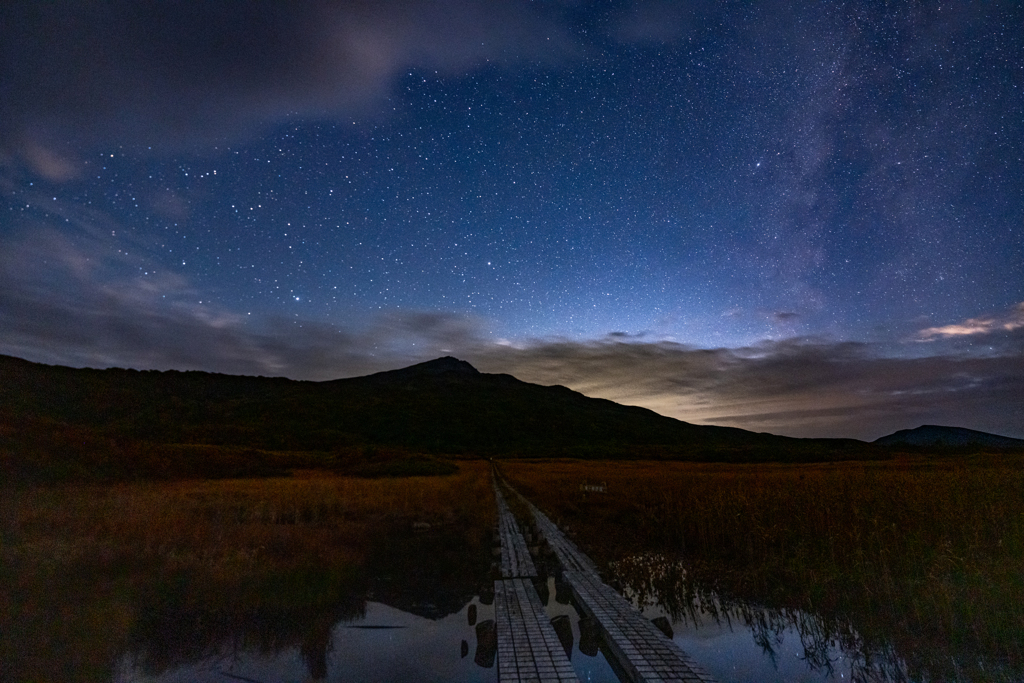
<point>61,424</point>
<point>920,556</point>
<point>411,466</point>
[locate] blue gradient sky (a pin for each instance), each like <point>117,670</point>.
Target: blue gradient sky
<point>805,218</point>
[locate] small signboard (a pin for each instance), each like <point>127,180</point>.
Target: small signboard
<point>594,488</point>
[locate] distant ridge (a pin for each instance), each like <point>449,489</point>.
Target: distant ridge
<point>935,435</point>
<point>448,365</point>
<point>59,422</point>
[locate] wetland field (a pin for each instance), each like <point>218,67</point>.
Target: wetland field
<point>151,577</point>
<point>914,567</point>
<point>907,569</point>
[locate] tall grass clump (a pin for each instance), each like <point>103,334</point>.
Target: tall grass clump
<point>925,556</point>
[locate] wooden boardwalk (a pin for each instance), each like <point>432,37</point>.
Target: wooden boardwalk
<point>515,556</point>
<point>639,647</point>
<point>528,647</point>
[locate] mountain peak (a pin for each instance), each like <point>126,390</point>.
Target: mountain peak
<point>445,365</point>
<point>936,435</point>
<point>448,367</point>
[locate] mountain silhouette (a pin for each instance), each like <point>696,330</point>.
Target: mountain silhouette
<point>443,407</point>
<point>957,437</point>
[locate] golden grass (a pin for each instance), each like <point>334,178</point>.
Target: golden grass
<point>84,564</point>
<point>927,555</point>
<point>224,523</point>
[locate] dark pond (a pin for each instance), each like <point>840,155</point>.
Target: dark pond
<point>736,641</point>
<point>420,610</point>
<point>386,643</point>
<point>427,615</point>
<point>427,635</point>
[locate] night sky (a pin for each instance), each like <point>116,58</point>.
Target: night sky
<point>803,218</point>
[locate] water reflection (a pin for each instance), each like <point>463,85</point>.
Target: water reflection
<point>410,623</point>
<point>385,644</point>
<point>563,629</point>
<point>382,643</point>
<point>422,609</point>
<point>739,641</point>
<point>580,636</point>
<point>415,610</point>
<point>374,641</point>
<point>486,643</point>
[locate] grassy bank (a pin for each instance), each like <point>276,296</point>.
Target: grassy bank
<point>924,555</point>
<point>169,570</point>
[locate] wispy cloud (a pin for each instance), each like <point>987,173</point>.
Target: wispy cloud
<point>73,300</point>
<point>1013,320</point>
<point>809,387</point>
<point>173,75</point>
<point>69,301</point>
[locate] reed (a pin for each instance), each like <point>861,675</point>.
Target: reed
<point>88,568</point>
<point>922,554</point>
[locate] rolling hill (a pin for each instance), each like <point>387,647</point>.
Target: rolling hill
<point>134,423</point>
<point>934,436</point>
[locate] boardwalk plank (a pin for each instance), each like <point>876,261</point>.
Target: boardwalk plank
<point>640,648</point>
<point>515,556</point>
<point>528,647</point>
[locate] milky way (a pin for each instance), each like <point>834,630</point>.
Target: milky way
<point>800,218</point>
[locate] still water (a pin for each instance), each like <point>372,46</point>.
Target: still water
<point>739,641</point>
<point>425,612</point>
<point>732,642</point>
<point>389,644</point>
